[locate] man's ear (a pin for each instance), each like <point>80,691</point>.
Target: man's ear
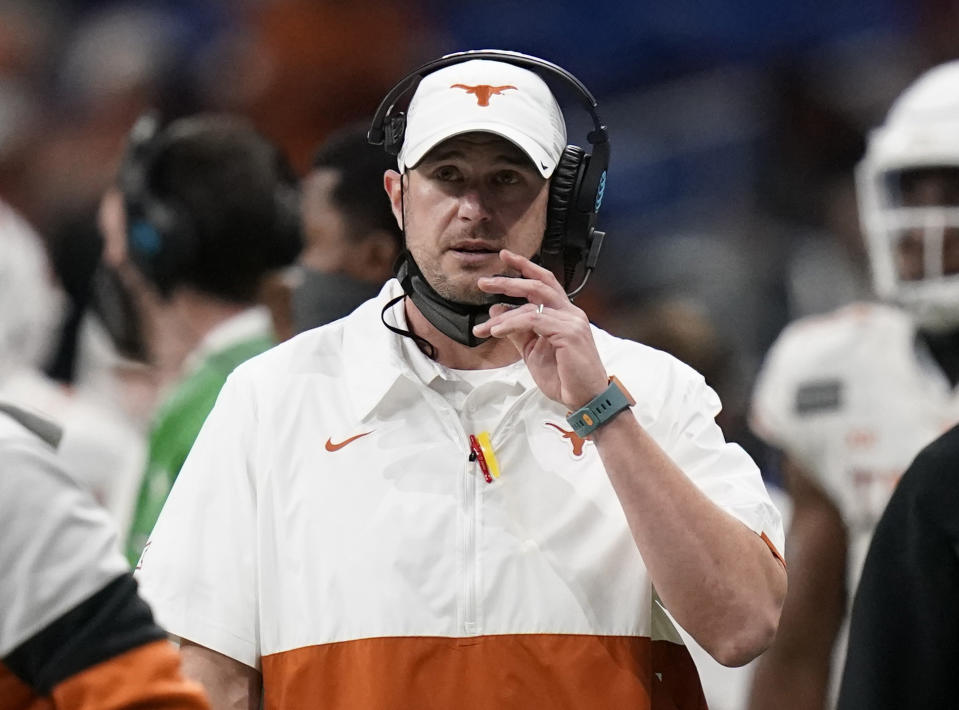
<point>393,183</point>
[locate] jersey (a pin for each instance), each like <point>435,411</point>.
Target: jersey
<point>332,528</point>
<point>183,411</point>
<point>73,632</point>
<point>852,397</point>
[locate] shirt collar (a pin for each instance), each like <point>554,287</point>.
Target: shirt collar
<point>377,358</point>
<point>373,354</point>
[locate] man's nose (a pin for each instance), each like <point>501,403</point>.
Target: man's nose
<point>474,205</point>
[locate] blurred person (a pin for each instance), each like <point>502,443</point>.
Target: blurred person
<point>75,633</point>
<point>850,397</point>
<point>351,240</point>
<point>487,518</point>
<point>204,208</point>
<point>105,450</point>
<point>904,627</point>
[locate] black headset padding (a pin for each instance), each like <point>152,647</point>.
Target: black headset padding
<point>562,192</point>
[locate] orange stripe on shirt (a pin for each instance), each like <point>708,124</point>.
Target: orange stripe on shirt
<point>772,547</point>
<point>507,672</point>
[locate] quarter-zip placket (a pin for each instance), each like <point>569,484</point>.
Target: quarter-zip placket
<point>470,560</point>
<point>468,521</point>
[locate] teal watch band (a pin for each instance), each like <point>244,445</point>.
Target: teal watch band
<point>600,409</point>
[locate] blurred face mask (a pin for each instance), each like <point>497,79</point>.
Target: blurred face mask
<point>320,297</point>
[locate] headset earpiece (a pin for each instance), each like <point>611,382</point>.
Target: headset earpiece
<point>562,195</point>
<point>160,238</point>
<point>395,129</point>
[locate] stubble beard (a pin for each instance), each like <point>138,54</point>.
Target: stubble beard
<point>457,292</point>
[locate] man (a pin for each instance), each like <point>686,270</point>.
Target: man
<point>851,397</point>
<point>204,209</point>
<point>904,630</point>
<point>351,240</point>
<point>75,634</point>
<point>364,525</point>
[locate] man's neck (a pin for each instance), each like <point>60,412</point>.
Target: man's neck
<point>183,322</point>
<point>494,352</point>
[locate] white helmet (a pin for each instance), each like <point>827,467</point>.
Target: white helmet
<point>921,130</point>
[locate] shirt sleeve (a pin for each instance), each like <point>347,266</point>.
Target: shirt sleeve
<point>722,470</point>
<point>198,569</point>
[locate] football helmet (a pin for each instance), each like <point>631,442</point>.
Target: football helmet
<point>921,131</point>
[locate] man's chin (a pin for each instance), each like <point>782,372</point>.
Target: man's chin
<point>468,297</point>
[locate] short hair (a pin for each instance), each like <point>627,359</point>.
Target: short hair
<point>359,193</point>
<point>237,193</point>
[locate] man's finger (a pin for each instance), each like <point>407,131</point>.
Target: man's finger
<point>535,292</point>
<point>528,269</point>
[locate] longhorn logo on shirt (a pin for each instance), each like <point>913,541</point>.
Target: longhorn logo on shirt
<point>577,441</point>
<point>483,92</point>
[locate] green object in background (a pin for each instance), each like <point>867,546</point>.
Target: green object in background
<point>175,428</point>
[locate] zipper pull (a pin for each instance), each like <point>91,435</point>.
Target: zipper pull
<point>477,454</point>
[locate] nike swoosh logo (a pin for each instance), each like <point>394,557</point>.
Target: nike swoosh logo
<point>330,446</point>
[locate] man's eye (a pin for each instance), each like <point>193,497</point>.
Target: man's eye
<point>447,173</point>
<point>507,177</point>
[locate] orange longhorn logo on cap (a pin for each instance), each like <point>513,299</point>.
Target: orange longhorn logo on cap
<point>482,92</point>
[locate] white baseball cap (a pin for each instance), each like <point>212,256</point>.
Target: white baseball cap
<point>487,96</point>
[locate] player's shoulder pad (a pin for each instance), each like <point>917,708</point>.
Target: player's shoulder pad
<point>820,339</point>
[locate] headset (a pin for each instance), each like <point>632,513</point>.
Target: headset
<point>578,183</point>
<point>163,240</point>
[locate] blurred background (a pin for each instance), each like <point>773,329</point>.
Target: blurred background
<point>735,126</point>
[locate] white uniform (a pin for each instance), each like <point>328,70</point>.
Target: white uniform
<point>73,632</point>
<point>330,528</point>
<point>852,397</point>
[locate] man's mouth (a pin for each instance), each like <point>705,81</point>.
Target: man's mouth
<point>478,248</point>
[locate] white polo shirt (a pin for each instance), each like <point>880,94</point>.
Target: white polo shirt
<point>330,528</point>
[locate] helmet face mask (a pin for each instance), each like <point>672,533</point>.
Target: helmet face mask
<point>908,192</point>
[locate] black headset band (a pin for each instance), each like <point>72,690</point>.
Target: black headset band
<point>377,133</point>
